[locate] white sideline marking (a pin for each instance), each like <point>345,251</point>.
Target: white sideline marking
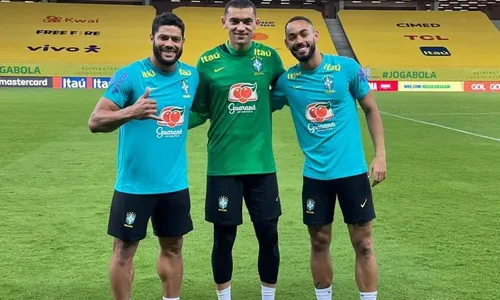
<point>441,126</point>
<point>454,114</point>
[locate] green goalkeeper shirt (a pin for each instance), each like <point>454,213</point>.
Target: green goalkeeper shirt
<point>234,93</point>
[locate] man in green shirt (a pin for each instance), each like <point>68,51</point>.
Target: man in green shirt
<point>234,93</point>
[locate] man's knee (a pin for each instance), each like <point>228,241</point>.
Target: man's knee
<point>124,251</point>
<point>361,238</point>
<point>222,262</point>
<point>321,238</point>
<point>267,233</point>
<point>171,246</point>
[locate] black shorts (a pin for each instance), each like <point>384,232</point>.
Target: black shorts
<point>170,215</point>
<point>225,194</point>
<point>354,194</point>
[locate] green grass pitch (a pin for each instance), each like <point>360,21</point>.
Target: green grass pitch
<point>436,234</point>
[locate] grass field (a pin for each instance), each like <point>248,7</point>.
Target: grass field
<point>436,235</point>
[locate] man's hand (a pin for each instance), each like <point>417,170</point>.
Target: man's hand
<point>378,170</point>
<point>144,108</point>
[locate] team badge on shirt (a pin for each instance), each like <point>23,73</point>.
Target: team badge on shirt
<point>328,84</point>
<point>185,88</point>
<point>257,65</point>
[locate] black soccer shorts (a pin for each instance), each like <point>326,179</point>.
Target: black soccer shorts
<point>169,213</point>
<point>225,194</point>
<point>354,194</point>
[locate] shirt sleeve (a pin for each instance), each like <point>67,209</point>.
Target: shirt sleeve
<point>358,82</point>
<point>120,87</point>
<point>278,94</point>
<point>199,113</point>
<point>278,68</point>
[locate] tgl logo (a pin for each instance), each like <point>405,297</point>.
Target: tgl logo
<point>426,37</point>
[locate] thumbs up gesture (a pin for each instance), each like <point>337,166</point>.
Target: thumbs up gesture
<point>145,108</point>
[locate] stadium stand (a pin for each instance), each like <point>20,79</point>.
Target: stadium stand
<point>52,39</point>
<point>204,30</point>
<point>451,45</point>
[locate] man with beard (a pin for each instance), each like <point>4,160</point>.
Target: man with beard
<point>149,101</point>
<point>321,91</point>
<point>235,78</point>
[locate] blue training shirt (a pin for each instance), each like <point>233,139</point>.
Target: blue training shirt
<point>151,156</point>
<point>323,107</point>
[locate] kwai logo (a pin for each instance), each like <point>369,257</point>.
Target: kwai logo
<point>57,19</point>
<point>171,116</point>
<point>317,113</point>
<point>242,93</point>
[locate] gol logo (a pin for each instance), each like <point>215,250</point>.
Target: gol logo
<point>172,116</point>
<point>319,112</point>
<point>243,92</point>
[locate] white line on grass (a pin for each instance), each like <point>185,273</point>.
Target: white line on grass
<point>441,126</point>
<point>454,114</point>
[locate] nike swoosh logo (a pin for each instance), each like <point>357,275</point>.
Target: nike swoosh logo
<point>296,87</point>
<point>364,203</point>
<point>152,89</point>
<point>219,69</point>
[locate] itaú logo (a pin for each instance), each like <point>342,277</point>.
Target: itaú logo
<point>485,87</point>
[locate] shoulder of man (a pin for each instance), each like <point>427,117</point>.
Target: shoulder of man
<point>207,57</point>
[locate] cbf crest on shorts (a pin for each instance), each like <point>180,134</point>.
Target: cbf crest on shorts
<point>223,200</point>
<point>310,206</point>
<point>129,220</point>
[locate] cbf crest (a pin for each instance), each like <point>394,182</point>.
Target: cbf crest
<point>257,65</point>
<point>129,219</point>
<point>310,206</point>
<point>185,88</point>
<point>223,200</point>
<point>328,84</point>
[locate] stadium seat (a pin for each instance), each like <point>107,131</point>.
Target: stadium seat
<point>204,30</point>
<point>73,39</point>
<point>457,44</point>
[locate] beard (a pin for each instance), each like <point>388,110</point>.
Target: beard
<point>304,58</point>
<point>157,51</point>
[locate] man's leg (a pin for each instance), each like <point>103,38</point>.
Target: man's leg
<point>128,221</point>
<point>121,269</point>
<point>171,220</point>
<point>171,267</point>
<point>366,265</point>
<point>355,199</point>
<point>261,195</point>
<point>321,262</point>
<point>223,206</point>
<point>318,205</point>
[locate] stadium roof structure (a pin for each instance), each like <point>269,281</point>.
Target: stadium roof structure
<point>444,5</point>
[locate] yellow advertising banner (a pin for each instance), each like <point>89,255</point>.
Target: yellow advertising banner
<point>430,86</point>
<point>58,34</point>
<point>47,70</point>
<point>434,74</point>
<point>421,39</point>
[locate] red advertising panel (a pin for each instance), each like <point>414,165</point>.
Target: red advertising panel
<point>482,86</point>
<point>384,86</point>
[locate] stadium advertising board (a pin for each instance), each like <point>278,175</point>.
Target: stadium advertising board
<point>384,86</point>
<point>26,82</point>
<point>437,74</point>
<point>73,40</point>
<point>56,70</point>
<point>482,86</point>
<point>430,86</point>
<point>81,82</point>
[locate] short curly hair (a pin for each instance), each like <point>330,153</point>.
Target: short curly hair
<point>167,19</point>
